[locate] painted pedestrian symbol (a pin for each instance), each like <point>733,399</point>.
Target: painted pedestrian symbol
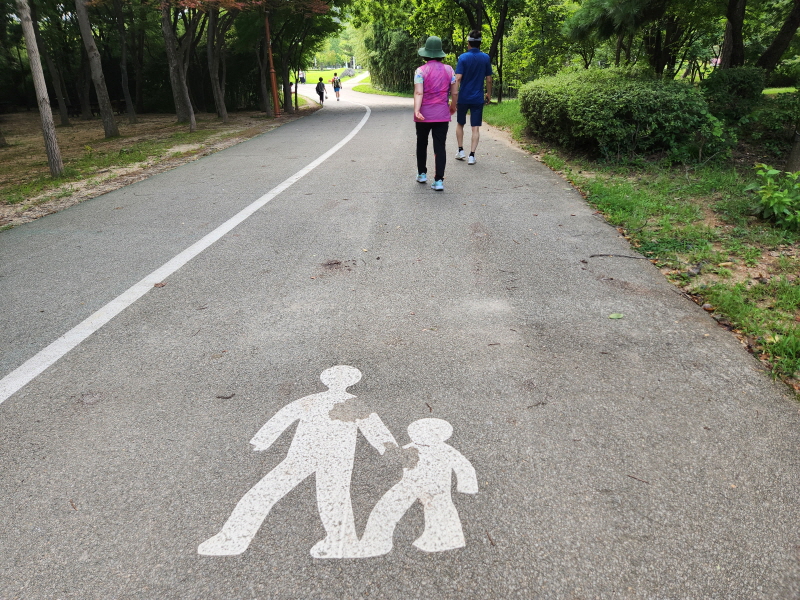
<point>324,445</point>
<point>428,482</point>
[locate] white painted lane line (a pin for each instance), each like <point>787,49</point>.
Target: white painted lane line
<point>22,375</point>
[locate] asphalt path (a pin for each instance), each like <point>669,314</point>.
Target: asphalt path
<point>642,457</point>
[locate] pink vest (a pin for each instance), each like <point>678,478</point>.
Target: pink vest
<point>436,80</point>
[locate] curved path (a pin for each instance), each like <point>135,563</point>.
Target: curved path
<point>642,457</point>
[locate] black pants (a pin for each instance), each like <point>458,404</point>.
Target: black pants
<point>439,134</point>
<point>321,96</point>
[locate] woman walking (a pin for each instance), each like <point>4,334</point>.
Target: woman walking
<point>434,82</point>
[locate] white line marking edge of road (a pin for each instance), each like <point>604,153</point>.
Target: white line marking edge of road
<point>34,366</point>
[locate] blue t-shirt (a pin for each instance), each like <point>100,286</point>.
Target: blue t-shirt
<point>473,66</point>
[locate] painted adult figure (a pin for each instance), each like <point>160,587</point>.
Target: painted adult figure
<point>473,68</point>
<point>323,445</point>
<point>434,84</point>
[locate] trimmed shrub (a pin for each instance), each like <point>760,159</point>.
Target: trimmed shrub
<point>619,114</point>
<point>732,94</point>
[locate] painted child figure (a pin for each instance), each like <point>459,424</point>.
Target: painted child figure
<point>429,481</point>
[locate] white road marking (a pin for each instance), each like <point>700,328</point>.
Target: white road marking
<point>37,364</point>
<point>428,482</point>
<point>324,445</point>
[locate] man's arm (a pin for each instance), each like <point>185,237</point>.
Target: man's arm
<point>454,95</point>
<point>488,88</point>
<point>377,434</point>
<point>273,428</point>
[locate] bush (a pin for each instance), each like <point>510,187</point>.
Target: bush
<point>787,74</point>
<point>619,113</point>
<point>732,94</point>
<point>779,194</point>
<point>773,122</point>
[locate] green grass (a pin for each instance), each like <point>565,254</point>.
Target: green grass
<point>783,90</point>
<point>313,76</point>
<point>690,220</point>
<point>505,114</point>
<point>367,88</point>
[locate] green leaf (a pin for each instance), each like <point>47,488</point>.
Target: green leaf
<point>615,316</point>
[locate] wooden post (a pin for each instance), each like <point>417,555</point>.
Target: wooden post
<point>272,78</point>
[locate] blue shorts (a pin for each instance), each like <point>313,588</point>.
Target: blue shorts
<point>336,89</point>
<point>475,114</point>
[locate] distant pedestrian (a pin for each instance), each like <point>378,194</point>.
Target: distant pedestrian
<point>433,83</point>
<point>321,91</point>
<point>472,69</point>
<point>337,85</point>
<point>302,76</point>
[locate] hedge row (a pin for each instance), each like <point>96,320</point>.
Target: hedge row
<point>621,114</point>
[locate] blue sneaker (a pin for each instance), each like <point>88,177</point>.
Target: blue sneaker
<point>422,178</point>
<point>438,185</point>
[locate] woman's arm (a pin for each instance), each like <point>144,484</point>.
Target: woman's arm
<point>418,101</point>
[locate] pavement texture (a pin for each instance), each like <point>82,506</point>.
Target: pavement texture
<point>642,457</point>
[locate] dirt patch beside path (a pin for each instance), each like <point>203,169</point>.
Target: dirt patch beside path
<point>25,162</point>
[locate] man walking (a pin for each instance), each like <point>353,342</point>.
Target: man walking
<point>472,69</point>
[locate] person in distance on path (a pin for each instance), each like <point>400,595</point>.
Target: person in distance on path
<point>434,82</point>
<point>321,91</point>
<point>472,69</point>
<point>337,85</point>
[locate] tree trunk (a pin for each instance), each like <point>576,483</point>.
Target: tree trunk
<point>51,67</point>
<point>793,162</point>
<point>85,83</point>
<point>772,55</point>
<point>137,52</point>
<point>123,61</point>
<point>180,93</point>
<point>287,88</point>
<point>106,111</point>
<point>48,126</point>
<point>618,53</point>
<point>266,104</point>
<point>733,44</point>
<point>500,31</point>
<point>215,48</point>
<point>3,142</point>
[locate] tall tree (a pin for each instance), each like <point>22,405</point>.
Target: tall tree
<point>106,111</point>
<point>48,126</point>
<point>219,23</point>
<point>123,60</point>
<point>733,44</point>
<point>55,76</point>
<point>773,54</point>
<point>177,73</point>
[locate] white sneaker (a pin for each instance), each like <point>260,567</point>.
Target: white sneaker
<point>460,155</point>
<point>471,160</point>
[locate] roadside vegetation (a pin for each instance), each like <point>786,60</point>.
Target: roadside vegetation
<point>703,228</point>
